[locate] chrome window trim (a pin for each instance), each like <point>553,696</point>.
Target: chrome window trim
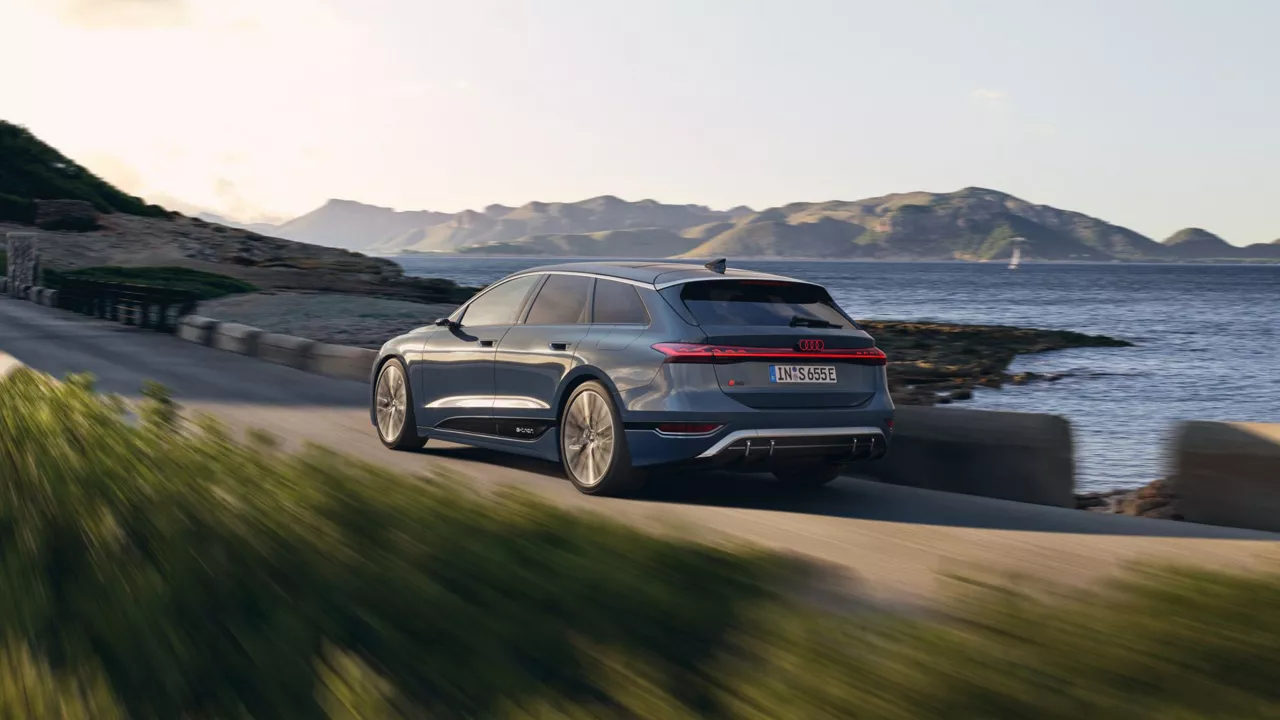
<point>737,435</point>
<point>761,276</point>
<point>598,276</point>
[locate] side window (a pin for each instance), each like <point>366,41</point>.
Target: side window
<point>562,301</point>
<point>500,304</point>
<point>617,304</point>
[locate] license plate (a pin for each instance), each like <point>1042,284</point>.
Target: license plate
<point>802,374</point>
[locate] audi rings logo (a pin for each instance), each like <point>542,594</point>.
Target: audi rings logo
<point>810,345</point>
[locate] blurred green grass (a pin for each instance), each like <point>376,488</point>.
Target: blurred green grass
<point>205,285</point>
<point>153,571</point>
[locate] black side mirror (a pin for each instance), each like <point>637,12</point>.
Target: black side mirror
<point>444,322</point>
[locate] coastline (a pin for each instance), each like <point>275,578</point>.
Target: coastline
<point>551,259</point>
<point>929,363</point>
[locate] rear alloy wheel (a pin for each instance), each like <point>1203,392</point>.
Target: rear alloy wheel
<point>393,408</point>
<point>809,475</point>
<point>593,445</point>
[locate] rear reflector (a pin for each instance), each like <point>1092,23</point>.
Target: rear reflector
<point>721,354</point>
<point>688,428</point>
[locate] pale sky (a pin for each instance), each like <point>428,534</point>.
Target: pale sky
<point>1152,114</point>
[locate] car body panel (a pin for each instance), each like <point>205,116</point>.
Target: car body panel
<point>520,383</point>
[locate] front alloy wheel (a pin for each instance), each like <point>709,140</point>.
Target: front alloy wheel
<point>393,408</point>
<point>593,445</point>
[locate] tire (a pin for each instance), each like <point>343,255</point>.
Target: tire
<point>809,475</point>
<point>393,408</point>
<point>593,444</point>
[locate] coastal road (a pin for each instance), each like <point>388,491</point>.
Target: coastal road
<point>876,541</point>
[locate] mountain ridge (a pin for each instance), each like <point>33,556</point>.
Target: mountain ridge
<point>972,223</point>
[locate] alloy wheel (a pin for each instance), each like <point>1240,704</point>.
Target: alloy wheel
<point>588,432</point>
<point>392,400</point>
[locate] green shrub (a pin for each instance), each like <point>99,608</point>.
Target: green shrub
<point>160,573</point>
<point>16,209</point>
<point>32,170</point>
<point>205,285</point>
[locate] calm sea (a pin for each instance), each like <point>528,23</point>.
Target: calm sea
<point>1208,339</point>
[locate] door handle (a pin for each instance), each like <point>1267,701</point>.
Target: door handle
<point>559,346</point>
<point>486,343</point>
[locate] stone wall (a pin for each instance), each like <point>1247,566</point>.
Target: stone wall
<point>24,262</point>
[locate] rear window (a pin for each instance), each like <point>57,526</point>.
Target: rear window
<point>760,302</point>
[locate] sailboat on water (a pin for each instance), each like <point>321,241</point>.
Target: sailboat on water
<point>1016,260</point>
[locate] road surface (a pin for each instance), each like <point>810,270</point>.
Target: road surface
<point>874,541</point>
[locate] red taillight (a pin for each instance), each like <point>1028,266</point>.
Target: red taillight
<point>688,428</point>
<point>721,354</point>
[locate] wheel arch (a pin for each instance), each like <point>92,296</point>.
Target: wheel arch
<point>576,378</point>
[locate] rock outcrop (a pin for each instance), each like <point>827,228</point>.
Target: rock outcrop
<point>67,215</point>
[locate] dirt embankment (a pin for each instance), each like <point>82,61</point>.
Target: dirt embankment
<point>267,262</point>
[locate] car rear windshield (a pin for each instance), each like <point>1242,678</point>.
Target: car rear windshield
<point>760,302</point>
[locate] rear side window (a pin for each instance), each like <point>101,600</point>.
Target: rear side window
<point>500,304</point>
<point>562,301</point>
<point>618,304</point>
<point>761,302</point>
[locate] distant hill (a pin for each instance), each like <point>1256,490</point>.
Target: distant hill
<point>1195,243</point>
<point>263,228</point>
<point>502,229</point>
<point>30,170</point>
<point>970,224</point>
<point>973,223</point>
<point>355,226</point>
<point>643,243</point>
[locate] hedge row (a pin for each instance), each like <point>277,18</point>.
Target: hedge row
<point>160,572</point>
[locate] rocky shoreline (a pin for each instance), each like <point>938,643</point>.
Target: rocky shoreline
<point>1153,500</point>
<point>938,363</point>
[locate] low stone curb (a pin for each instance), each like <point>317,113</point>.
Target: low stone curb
<point>343,362</point>
<point>36,294</point>
<point>236,338</point>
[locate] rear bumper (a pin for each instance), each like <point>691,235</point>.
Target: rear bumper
<point>762,445</point>
<point>851,443</point>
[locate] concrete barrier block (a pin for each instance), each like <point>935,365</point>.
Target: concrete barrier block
<point>1227,474</point>
<point>236,338</point>
<point>342,361</point>
<point>285,349</point>
<point>49,297</point>
<point>197,329</point>
<point>36,295</point>
<point>1010,456</point>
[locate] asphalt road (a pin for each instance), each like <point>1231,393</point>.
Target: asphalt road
<point>873,541</point>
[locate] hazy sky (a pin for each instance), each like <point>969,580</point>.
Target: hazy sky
<point>1156,115</point>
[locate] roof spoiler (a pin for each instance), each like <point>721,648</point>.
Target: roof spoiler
<point>716,266</point>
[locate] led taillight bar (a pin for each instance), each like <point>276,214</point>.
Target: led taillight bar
<point>722,354</point>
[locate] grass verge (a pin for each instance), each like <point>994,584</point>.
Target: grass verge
<point>206,285</point>
<point>151,571</point>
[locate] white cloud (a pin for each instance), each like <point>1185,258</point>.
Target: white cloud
<point>125,13</point>
<point>991,98</point>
